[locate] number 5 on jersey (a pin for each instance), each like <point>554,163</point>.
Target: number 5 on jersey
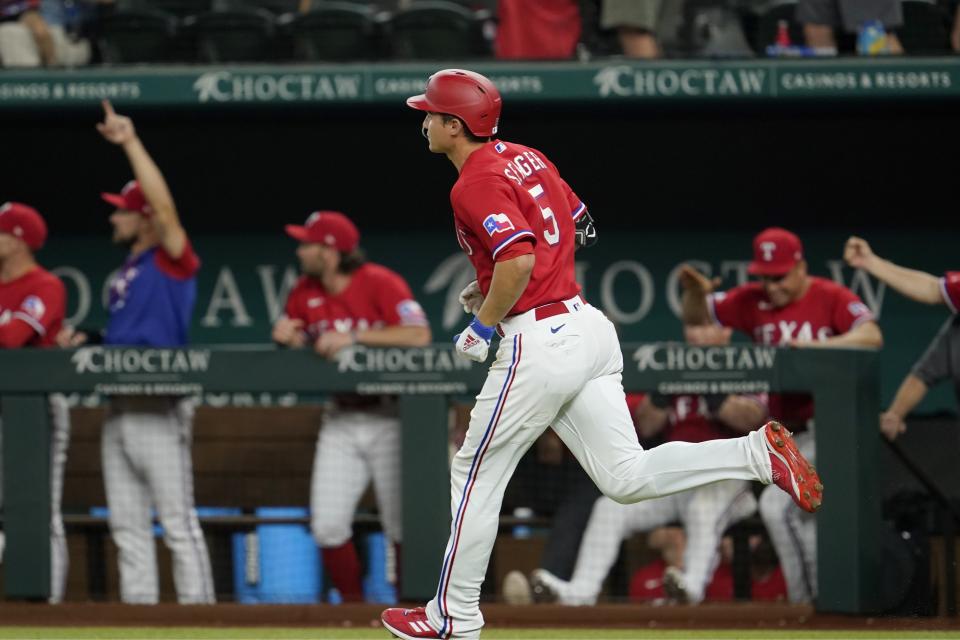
<point>552,237</point>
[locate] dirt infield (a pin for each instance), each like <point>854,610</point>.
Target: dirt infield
<point>710,616</point>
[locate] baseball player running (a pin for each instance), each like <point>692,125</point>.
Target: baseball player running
<point>787,307</point>
<point>558,363</point>
<point>705,512</point>
<point>145,444</point>
<point>342,300</point>
<point>32,306</point>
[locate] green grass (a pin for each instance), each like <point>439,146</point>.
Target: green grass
<point>268,633</point>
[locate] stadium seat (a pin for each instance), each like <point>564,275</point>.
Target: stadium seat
<point>178,8</point>
<point>926,28</point>
<point>336,31</point>
<point>239,35</point>
<point>276,7</point>
<point>136,35</point>
<point>437,30</point>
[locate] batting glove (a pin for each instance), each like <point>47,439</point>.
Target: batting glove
<point>474,342</point>
<point>471,298</point>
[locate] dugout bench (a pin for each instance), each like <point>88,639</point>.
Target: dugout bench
<point>844,383</point>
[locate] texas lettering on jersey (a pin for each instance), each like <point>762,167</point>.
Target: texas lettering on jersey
<point>376,297</point>
<point>692,421</point>
<point>827,309</point>
<point>509,201</point>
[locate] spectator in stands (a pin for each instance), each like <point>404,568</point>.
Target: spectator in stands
<point>820,17</point>
<point>942,358</point>
<point>635,22</point>
<point>25,37</point>
<point>786,307</point>
<point>63,18</point>
<point>537,29</point>
<point>705,512</point>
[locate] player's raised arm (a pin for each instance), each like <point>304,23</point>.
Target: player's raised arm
<point>917,285</point>
<point>120,131</point>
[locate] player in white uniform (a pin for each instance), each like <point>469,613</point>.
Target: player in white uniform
<point>342,300</point>
<point>559,361</point>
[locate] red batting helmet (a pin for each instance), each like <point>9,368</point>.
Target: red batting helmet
<point>465,94</point>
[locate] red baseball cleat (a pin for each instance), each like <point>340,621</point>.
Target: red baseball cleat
<point>791,471</point>
<point>408,623</point>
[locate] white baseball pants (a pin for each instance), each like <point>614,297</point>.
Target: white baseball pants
<point>147,464</point>
<point>705,512</point>
<point>352,448</point>
<point>563,371</point>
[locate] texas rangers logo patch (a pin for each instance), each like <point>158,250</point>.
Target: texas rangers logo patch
<point>34,307</point>
<point>497,223</point>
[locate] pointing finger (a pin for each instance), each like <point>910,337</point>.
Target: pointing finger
<point>108,108</point>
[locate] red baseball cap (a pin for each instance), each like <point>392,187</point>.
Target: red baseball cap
<point>130,198</point>
<point>775,252</point>
<point>331,228</point>
<point>24,222</point>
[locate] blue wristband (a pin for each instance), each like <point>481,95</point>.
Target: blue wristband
<point>481,329</point>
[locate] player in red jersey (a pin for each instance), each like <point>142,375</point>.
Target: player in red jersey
<point>32,307</point>
<point>32,300</point>
<point>786,307</point>
<point>558,364</point>
<point>342,300</point>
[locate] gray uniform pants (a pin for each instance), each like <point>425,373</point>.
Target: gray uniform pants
<point>147,464</point>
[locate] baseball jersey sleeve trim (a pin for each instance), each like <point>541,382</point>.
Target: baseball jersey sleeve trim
<point>39,328</point>
<point>946,296</point>
<point>508,241</point>
<point>867,317</point>
<point>576,213</point>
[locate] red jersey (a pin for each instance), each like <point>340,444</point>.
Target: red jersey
<point>538,29</point>
<point>508,201</point>
<point>376,297</point>
<point>826,309</point>
<point>950,289</point>
<point>691,420</point>
<point>31,309</point>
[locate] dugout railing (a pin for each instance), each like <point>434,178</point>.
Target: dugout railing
<point>844,384</point>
